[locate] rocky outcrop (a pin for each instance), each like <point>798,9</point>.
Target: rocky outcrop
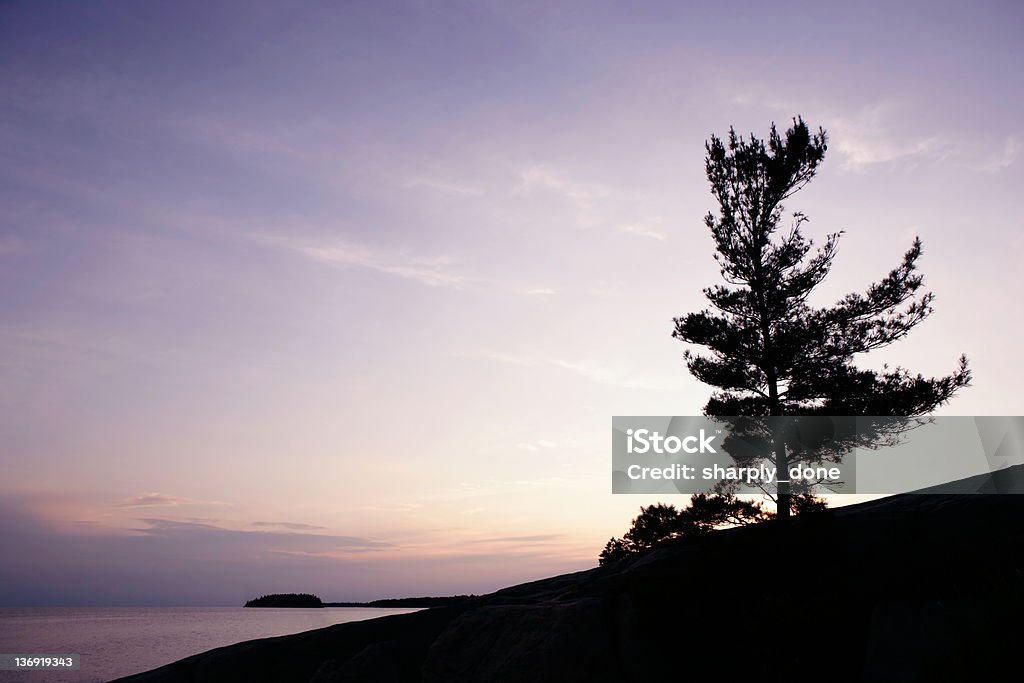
<point>909,588</point>
<point>556,641</point>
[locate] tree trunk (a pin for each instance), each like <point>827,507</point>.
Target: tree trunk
<point>783,496</point>
<point>783,504</point>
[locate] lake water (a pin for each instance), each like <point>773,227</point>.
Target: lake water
<point>118,641</point>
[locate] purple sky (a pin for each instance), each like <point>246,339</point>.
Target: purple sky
<point>342,298</point>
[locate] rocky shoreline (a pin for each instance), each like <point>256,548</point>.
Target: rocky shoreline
<point>907,588</point>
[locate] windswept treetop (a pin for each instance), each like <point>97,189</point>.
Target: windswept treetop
<point>770,351</point>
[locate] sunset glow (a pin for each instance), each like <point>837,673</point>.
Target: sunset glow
<point>341,298</point>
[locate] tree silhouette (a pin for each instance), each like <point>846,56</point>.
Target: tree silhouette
<point>659,522</point>
<point>771,352</point>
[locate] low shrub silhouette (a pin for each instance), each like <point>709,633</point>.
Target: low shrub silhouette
<point>661,521</point>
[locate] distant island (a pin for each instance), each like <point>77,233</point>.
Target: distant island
<point>310,600</point>
<point>407,602</point>
<point>286,600</point>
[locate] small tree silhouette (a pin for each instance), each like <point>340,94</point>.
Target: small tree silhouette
<point>659,522</point>
<point>771,352</point>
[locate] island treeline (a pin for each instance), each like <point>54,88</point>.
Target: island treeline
<point>406,602</point>
<point>286,600</point>
<point>310,600</point>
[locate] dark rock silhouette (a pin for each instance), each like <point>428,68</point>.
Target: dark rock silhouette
<point>908,588</point>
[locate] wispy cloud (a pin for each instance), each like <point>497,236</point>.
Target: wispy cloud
<point>642,231</point>
<point>267,541</point>
<point>300,140</point>
<point>433,271</point>
<point>594,371</point>
<point>509,358</point>
<point>156,499</point>
<point>581,196</point>
<point>490,488</point>
<point>536,538</point>
<point>446,186</point>
<point>873,137</point>
<point>611,376</point>
<point>1003,159</point>
<point>862,151</point>
<point>295,526</point>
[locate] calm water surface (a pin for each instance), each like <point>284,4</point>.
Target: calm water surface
<point>118,641</point>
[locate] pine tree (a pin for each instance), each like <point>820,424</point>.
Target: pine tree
<point>771,352</point>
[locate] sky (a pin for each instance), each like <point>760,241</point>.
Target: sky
<point>341,297</point>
